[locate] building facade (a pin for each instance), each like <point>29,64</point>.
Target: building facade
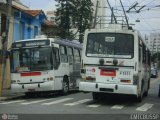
<point>27,23</point>
<point>51,15</point>
<point>154,42</point>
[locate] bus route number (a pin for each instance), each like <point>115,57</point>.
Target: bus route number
<point>109,39</point>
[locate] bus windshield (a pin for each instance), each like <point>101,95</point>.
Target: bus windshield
<point>31,59</point>
<point>115,45</point>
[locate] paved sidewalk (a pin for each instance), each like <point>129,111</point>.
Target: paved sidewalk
<point>7,94</point>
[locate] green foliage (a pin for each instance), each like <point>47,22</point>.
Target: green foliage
<point>73,14</point>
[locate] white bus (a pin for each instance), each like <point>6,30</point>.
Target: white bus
<point>115,60</point>
<point>45,64</point>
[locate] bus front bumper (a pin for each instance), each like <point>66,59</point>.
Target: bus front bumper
<point>108,88</point>
<point>46,86</point>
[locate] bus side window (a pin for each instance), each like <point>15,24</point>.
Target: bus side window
<point>140,48</point>
<point>63,54</point>
<point>70,55</point>
<point>144,54</point>
<point>77,57</point>
<point>56,59</point>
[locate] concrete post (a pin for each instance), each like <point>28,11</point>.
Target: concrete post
<point>4,46</point>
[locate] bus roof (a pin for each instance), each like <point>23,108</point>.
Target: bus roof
<point>45,41</point>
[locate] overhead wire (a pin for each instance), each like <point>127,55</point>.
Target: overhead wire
<point>150,2</point>
<point>147,25</point>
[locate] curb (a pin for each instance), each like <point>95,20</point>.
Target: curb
<point>10,97</point>
<point>3,98</point>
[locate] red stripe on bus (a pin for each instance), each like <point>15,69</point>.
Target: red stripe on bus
<point>31,74</point>
<point>108,72</point>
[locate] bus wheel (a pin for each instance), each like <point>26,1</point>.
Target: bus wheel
<point>96,96</point>
<point>146,92</point>
<point>65,84</point>
<point>140,97</point>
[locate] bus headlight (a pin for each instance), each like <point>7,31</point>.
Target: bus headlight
<point>135,79</point>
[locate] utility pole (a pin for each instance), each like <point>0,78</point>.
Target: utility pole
<point>67,20</point>
<point>4,46</point>
<point>95,16</point>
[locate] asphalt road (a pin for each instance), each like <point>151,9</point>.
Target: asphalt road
<point>78,105</point>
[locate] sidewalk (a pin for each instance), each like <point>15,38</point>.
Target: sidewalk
<point>7,94</point>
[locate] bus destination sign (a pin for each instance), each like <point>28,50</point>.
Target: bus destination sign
<point>30,43</point>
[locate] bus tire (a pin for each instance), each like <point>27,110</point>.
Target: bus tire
<point>140,97</point>
<point>146,93</point>
<point>96,96</point>
<point>148,86</point>
<point>65,86</point>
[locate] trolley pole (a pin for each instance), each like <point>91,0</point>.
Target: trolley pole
<point>4,46</point>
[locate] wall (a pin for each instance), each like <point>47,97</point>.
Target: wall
<point>28,30</point>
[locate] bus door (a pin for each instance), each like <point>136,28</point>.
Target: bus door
<point>71,63</point>
<point>56,67</point>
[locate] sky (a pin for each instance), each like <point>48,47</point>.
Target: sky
<point>40,4</point>
<point>149,16</point>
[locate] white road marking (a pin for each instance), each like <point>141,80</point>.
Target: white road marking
<point>38,101</point>
<point>78,102</point>
<point>94,105</point>
<point>15,101</point>
<point>57,101</point>
<point>145,107</point>
<point>117,107</point>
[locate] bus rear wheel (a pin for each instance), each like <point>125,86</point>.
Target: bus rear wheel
<point>140,97</point>
<point>146,92</point>
<point>65,86</point>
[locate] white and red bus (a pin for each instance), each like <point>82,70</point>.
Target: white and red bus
<point>115,60</point>
<point>45,65</point>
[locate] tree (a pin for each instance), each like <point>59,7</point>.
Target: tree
<point>63,15</point>
<point>83,16</point>
<point>73,13</point>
